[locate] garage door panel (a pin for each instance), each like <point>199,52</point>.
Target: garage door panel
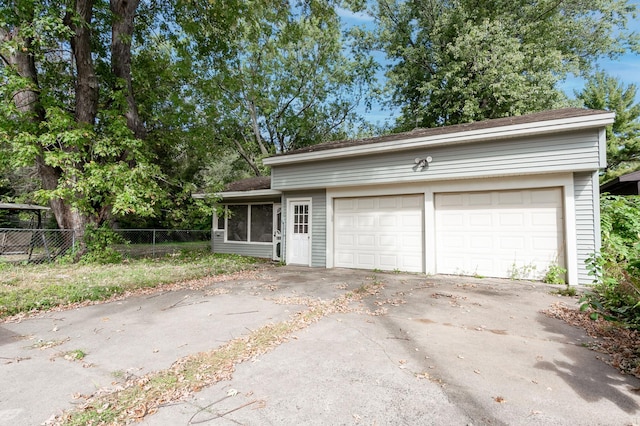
<point>479,199</point>
<point>389,203</point>
<point>388,222</point>
<point>343,221</point>
<point>492,233</point>
<point>511,219</point>
<point>546,196</point>
<point>412,201</point>
<point>510,198</point>
<point>365,204</point>
<point>479,241</point>
<point>387,233</point>
<point>544,218</point>
<point>481,219</point>
<point>366,241</point>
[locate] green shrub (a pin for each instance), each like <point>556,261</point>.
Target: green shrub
<point>616,269</point>
<point>99,244</point>
<point>554,275</point>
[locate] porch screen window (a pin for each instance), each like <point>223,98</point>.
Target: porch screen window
<point>237,220</point>
<point>262,223</point>
<point>250,223</point>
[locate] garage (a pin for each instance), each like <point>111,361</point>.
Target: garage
<point>385,233</point>
<point>507,234</point>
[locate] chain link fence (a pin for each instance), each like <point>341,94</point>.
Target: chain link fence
<point>44,245</point>
<point>160,242</point>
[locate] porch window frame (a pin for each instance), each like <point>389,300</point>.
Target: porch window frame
<point>248,206</point>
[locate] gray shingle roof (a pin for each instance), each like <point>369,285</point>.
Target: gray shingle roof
<point>250,184</point>
<point>557,114</point>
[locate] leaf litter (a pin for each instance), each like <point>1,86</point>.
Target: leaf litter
<point>138,397</point>
<point>621,344</point>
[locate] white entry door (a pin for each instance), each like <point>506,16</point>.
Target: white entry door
<point>299,232</point>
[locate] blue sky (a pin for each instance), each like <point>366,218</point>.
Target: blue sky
<point>626,67</point>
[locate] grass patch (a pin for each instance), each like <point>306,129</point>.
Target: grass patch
<point>27,288</point>
<point>75,355</point>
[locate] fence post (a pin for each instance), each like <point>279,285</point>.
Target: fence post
<point>153,245</point>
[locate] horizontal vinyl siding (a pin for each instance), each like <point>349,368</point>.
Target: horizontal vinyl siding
<point>244,249</point>
<point>555,153</point>
<point>318,224</point>
<point>586,232</point>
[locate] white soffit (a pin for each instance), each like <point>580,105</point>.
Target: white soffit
<point>247,194</point>
<point>501,132</point>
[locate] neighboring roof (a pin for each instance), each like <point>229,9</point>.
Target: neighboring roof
<point>13,206</point>
<point>254,188</point>
<point>540,122</point>
<point>625,184</point>
<point>251,189</point>
<point>250,184</point>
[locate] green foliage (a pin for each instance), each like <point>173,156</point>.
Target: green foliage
<point>456,62</point>
<point>555,274</point>
<point>99,243</point>
<point>568,291</point>
<point>82,145</point>
<point>616,293</point>
<point>620,227</point>
<point>623,136</point>
<point>521,272</point>
<point>287,82</point>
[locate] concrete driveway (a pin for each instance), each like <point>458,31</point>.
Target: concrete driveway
<point>422,350</point>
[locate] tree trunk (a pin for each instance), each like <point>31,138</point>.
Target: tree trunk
<point>27,101</point>
<point>121,34</point>
<point>87,82</point>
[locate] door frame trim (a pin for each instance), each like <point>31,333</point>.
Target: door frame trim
<point>277,239</point>
<point>289,226</point>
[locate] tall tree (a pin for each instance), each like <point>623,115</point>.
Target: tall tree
<point>466,60</point>
<point>603,91</point>
<point>74,118</point>
<point>286,83</point>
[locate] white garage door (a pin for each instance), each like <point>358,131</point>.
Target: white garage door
<point>383,233</point>
<point>509,234</point>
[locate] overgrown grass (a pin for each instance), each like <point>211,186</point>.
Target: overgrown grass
<point>25,288</point>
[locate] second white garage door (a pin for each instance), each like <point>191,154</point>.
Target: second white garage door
<point>383,233</point>
<point>509,234</point>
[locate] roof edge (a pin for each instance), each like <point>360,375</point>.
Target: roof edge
<point>501,132</point>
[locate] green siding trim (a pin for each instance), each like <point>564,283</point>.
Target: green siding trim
<point>565,152</point>
<point>587,238</point>
<point>218,245</point>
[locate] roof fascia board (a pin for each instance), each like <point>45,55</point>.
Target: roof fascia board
<point>526,129</point>
<point>242,194</point>
<point>249,194</point>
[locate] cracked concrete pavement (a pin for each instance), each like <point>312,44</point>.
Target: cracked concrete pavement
<point>422,350</point>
